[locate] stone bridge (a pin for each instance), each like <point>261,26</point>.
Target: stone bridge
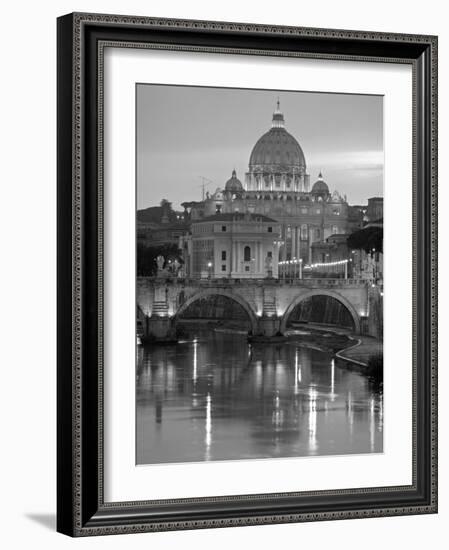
<point>267,302</point>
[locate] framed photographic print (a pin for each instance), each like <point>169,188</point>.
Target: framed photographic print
<point>246,274</point>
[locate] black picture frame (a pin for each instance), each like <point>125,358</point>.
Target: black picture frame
<point>81,510</point>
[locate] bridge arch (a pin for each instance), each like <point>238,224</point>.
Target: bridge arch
<point>218,292</point>
<point>321,292</point>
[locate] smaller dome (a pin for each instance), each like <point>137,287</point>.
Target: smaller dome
<point>234,185</point>
<point>320,186</point>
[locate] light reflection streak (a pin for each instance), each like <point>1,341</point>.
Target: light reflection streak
<point>195,361</point>
<point>350,414</point>
<point>332,379</point>
<point>371,424</point>
<point>381,415</point>
<point>312,419</point>
<point>279,374</point>
<point>258,374</point>
<point>278,413</point>
<point>298,375</point>
<point>296,370</point>
<point>208,438</point>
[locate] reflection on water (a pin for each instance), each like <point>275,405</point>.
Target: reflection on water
<point>215,397</point>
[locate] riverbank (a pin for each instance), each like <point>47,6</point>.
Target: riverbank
<point>354,350</point>
<point>360,352</point>
<point>319,337</point>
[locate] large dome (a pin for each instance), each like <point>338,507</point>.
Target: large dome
<point>277,148</point>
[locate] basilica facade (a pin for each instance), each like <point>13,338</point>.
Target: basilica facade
<point>276,186</point>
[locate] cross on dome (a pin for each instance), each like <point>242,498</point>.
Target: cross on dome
<point>278,116</point>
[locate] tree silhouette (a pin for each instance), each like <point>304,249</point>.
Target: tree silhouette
<point>367,239</point>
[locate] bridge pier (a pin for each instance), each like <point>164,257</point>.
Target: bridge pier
<point>268,326</point>
<point>159,329</point>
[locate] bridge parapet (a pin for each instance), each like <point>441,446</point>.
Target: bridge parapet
<point>232,282</point>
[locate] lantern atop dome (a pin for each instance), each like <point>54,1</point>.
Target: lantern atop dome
<point>278,117</point>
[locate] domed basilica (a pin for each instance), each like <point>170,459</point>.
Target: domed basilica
<point>277,188</point>
<point>277,161</point>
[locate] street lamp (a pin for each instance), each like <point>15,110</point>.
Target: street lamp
<point>209,268</point>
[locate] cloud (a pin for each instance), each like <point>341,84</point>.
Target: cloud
<point>350,160</point>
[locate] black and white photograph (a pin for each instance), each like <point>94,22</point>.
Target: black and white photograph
<point>259,262</point>
<point>221,291</point>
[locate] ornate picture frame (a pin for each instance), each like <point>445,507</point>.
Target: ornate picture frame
<point>81,507</point>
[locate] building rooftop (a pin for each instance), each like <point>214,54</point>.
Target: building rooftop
<point>171,226</point>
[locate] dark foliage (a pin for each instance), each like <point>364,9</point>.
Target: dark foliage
<point>154,214</point>
<point>375,367</point>
<point>367,239</point>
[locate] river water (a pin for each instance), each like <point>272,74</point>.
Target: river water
<point>216,397</point>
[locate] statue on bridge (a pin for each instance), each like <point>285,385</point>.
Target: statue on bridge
<point>176,267</point>
<point>170,268</point>
<point>160,261</point>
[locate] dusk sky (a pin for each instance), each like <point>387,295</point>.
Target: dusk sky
<point>185,132</point>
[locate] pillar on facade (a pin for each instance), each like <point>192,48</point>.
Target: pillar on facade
<point>309,246</point>
<point>298,242</point>
<point>293,243</point>
<point>282,248</point>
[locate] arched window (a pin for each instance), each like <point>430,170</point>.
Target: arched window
<point>247,254</point>
<point>304,232</point>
